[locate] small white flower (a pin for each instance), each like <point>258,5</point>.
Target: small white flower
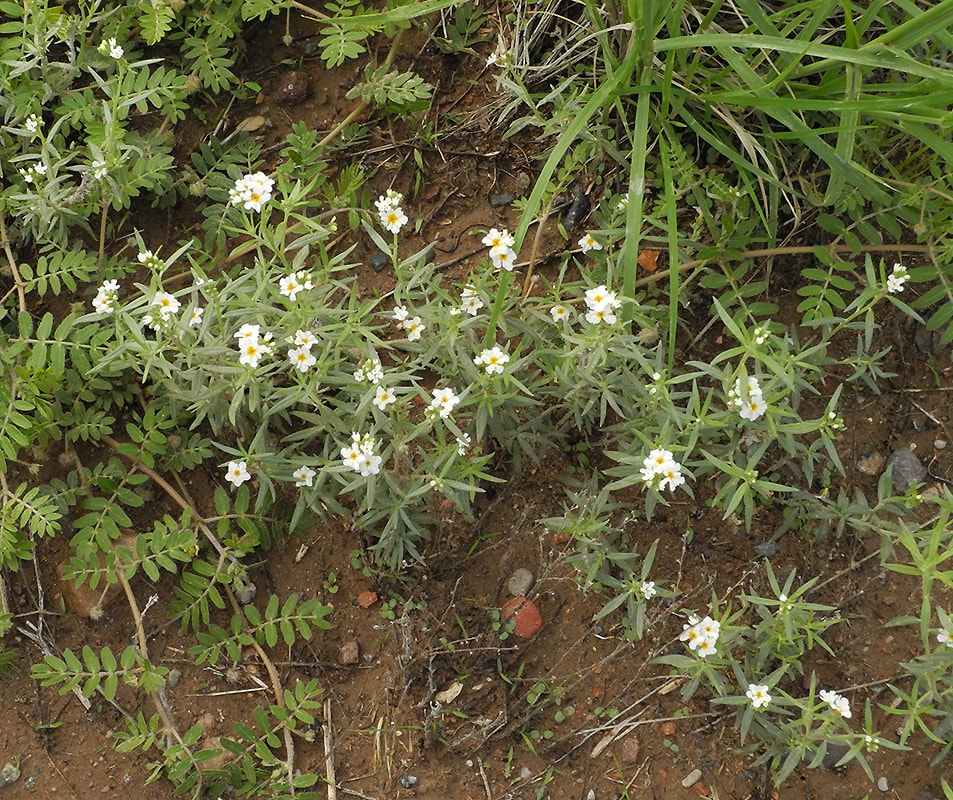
<point>754,409</point>
<point>559,313</point>
<point>463,444</point>
<point>706,648</point>
<point>400,313</point>
<point>106,297</point>
<point>672,478</point>
<point>388,201</point>
<point>597,316</point>
<point>600,298</point>
<point>945,637</point>
<point>471,305</point>
<point>304,476</point>
<point>291,285</point>
<point>39,168</point>
<point>393,219</point>
<point>498,239</point>
<point>369,464</point>
<point>252,191</point>
<point>236,473</point>
<point>114,49</point>
<point>623,203</point>
<point>414,328</point>
<point>758,695</point>
<point>252,352</point>
<point>248,333</point>
<point>32,123</point>
<point>837,702</point>
<point>444,400</point>
<point>897,278</point>
<point>304,339</point>
<point>195,318</point>
<point>648,589</point>
<point>384,398</point>
<point>352,457</point>
<point>99,169</point>
<point>149,259</point>
<point>503,258</point>
<point>493,360</point>
<point>27,175</point>
<point>167,304</point>
<point>588,243</point>
<point>301,358</point>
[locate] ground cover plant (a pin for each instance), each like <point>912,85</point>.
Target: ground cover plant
<point>692,151</point>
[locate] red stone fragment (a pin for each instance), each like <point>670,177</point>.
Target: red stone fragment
<point>366,599</point>
<point>525,613</point>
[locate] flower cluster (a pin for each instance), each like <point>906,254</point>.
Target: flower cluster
<point>149,259</point>
<point>110,48</point>
<point>165,306</point>
<point>444,401</point>
<point>701,635</point>
<point>299,354</point>
<point>897,278</point>
<point>836,701</point>
<point>32,124</point>
<point>106,297</point>
<point>748,399</point>
<point>412,325</point>
<point>33,172</point>
<point>492,359</point>
<point>470,301</point>
<point>587,243</point>
<point>360,456</point>
<point>601,304</point>
<point>499,58</point>
<point>501,244</point>
<point>389,212</point>
<point>252,346</point>
<point>371,371</point>
<point>660,470</point>
<point>291,285</point>
<point>251,191</point>
<point>758,695</point>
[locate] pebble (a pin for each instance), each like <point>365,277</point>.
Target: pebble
<point>883,784</point>
<point>294,87</point>
<point>907,468</point>
<point>749,774</point>
<point>578,208</point>
<point>692,778</point>
<point>501,199</point>
<point>525,773</point>
<point>10,773</point>
<point>173,678</point>
<point>349,654</point>
<point>630,749</point>
<point>245,594</point>
<point>408,781</point>
<point>525,613</point>
<point>940,444</point>
<point>766,549</point>
<point>520,582</point>
<point>835,752</point>
<point>870,463</point>
<point>380,262</point>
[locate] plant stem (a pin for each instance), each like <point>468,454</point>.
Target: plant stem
<point>11,261</point>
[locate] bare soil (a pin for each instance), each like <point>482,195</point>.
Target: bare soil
<point>433,627</point>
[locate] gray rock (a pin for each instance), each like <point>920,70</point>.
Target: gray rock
<point>408,781</point>
<point>245,593</point>
<point>501,199</point>
<point>349,654</point>
<point>173,678</point>
<point>883,784</point>
<point>766,549</point>
<point>520,582</point>
<point>10,773</point>
<point>380,262</point>
<point>907,469</point>
<point>835,752</point>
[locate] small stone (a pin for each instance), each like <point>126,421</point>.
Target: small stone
<point>525,613</point>
<point>501,199</point>
<point>245,593</point>
<point>525,773</point>
<point>173,678</point>
<point>520,582</point>
<point>692,778</point>
<point>380,262</point>
<point>870,463</point>
<point>668,728</point>
<point>349,654</point>
<point>749,774</point>
<point>835,752</point>
<point>883,784</point>
<point>293,88</point>
<point>766,549</point>
<point>578,208</point>
<point>408,781</point>
<point>939,444</point>
<point>629,752</point>
<point>367,599</point>
<point>907,468</point>
<point>591,794</point>
<point>10,773</point>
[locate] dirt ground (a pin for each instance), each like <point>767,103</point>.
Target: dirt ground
<point>396,713</point>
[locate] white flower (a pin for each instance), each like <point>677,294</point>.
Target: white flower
<point>195,318</point>
<point>837,702</point>
<point>369,464</point>
<point>503,258</point>
<point>760,334</point>
<point>99,169</point>
<point>388,201</point>
<point>444,401</point>
<point>597,316</point>
<point>559,313</point>
<point>303,476</point>
<point>248,333</point>
<point>32,123</point>
<point>352,457</point>
<point>252,191</point>
<point>294,283</point>
<point>463,444</point>
<point>897,278</point>
<point>496,239</point>
<point>252,352</point>
<point>754,409</point>
<point>588,243</point>
<point>601,298</point>
<point>701,635</point>
<point>648,589</point>
<point>303,339</point>
<point>623,203</point>
<point>471,305</point>
<point>672,478</point>
<point>748,399</point>
<point>360,455</point>
<point>945,637</point>
<point>27,175</point>
<point>106,296</point>
<point>167,304</point>
<point>236,473</point>
<point>109,47</point>
<point>400,313</point>
<point>393,219</point>
<point>414,328</point>
<point>149,259</point>
<point>706,648</point>
<point>39,168</point>
<point>384,398</point>
<point>493,360</point>
<point>301,358</point>
<point>758,695</point>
